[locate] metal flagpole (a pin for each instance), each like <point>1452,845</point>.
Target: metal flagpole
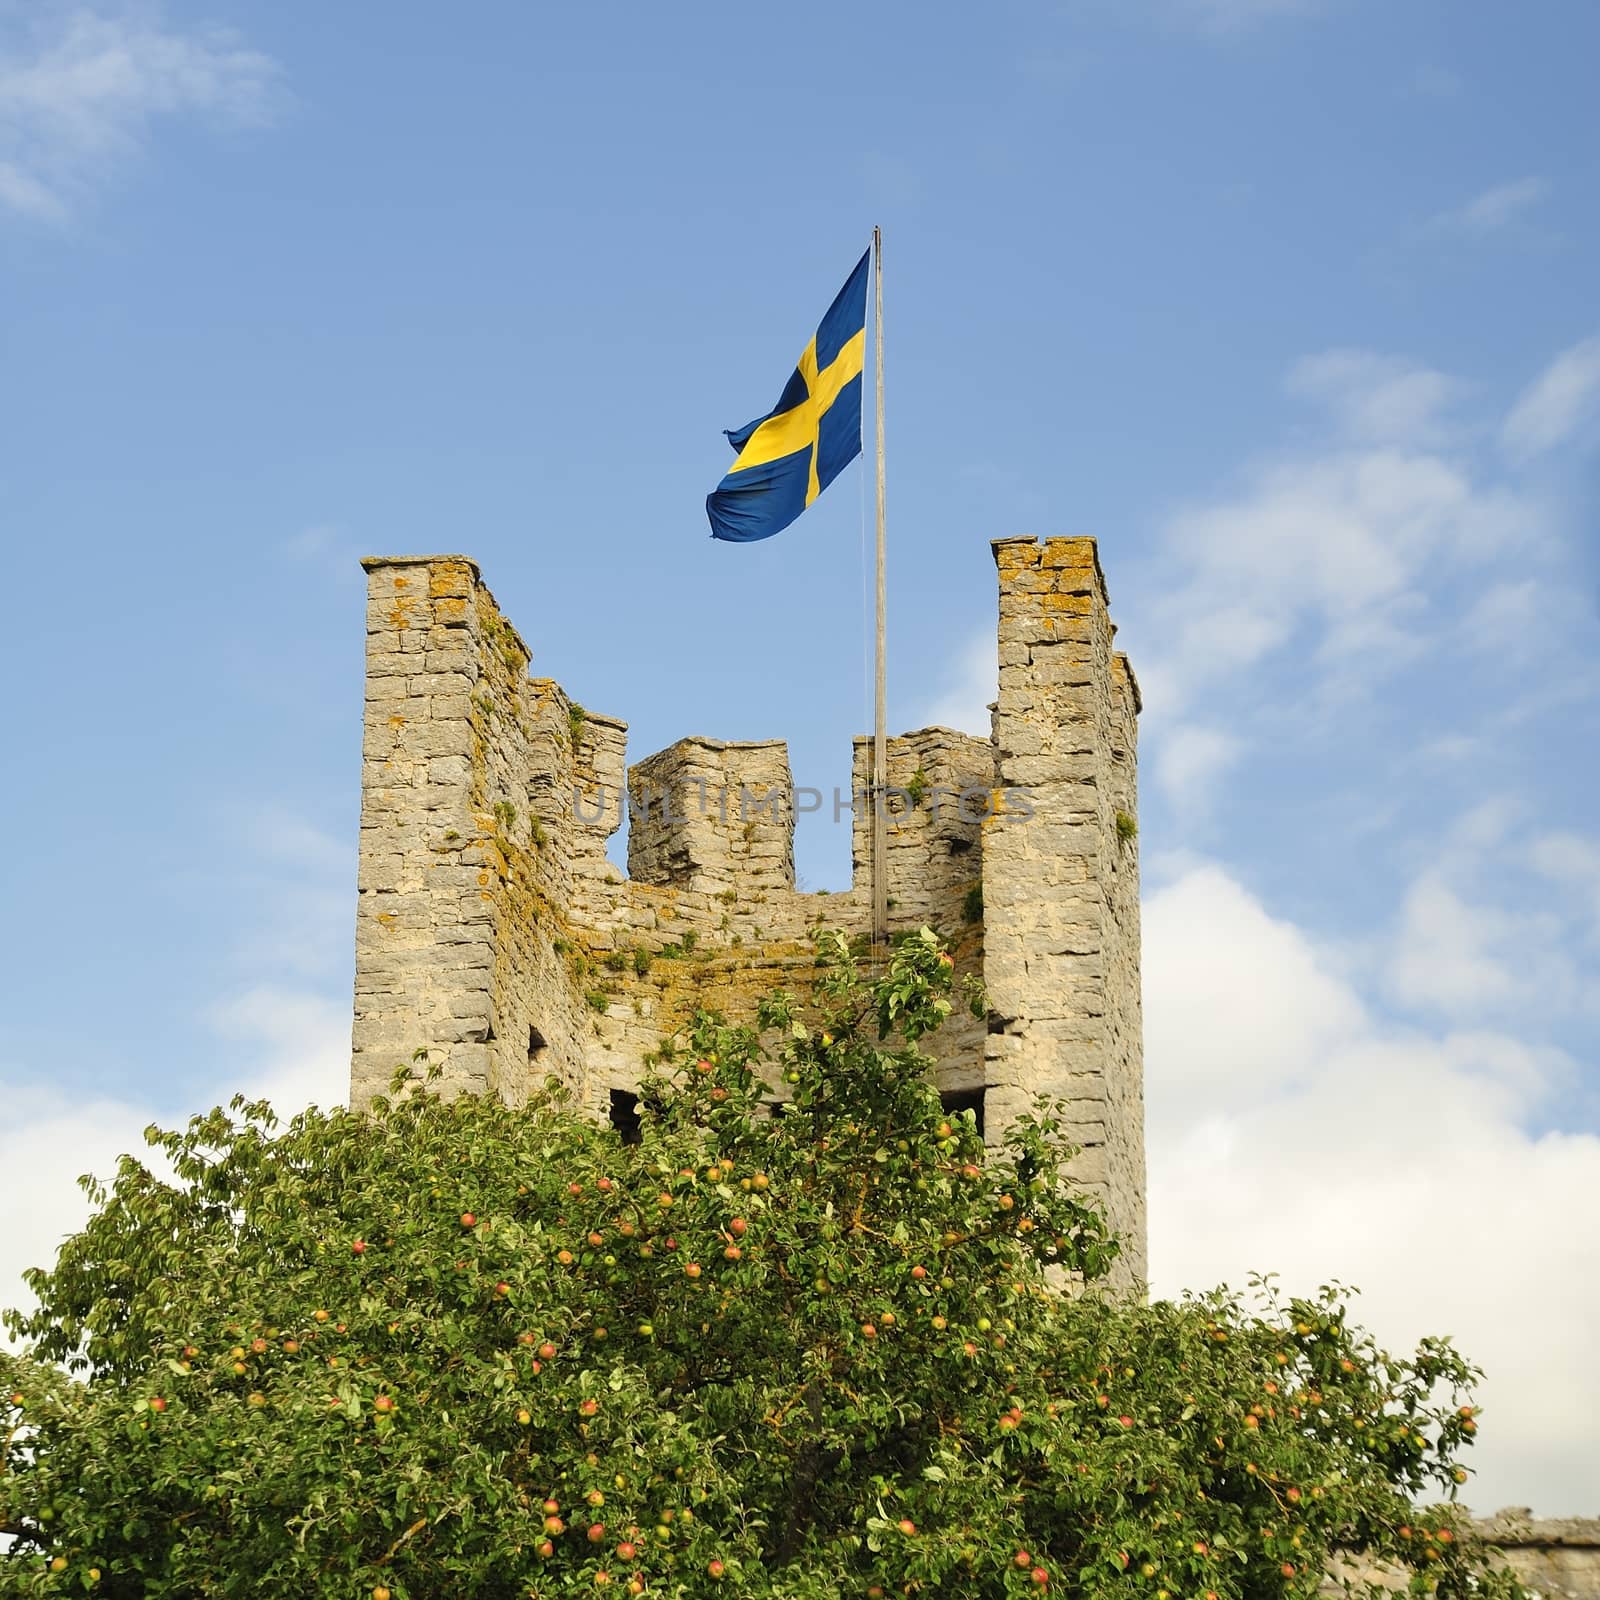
<point>880,774</point>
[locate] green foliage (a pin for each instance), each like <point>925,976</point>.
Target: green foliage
<point>617,960</point>
<point>576,717</point>
<point>681,948</point>
<point>598,1000</point>
<point>641,962</point>
<point>972,905</point>
<point>464,1349</point>
<point>917,789</point>
<point>505,814</point>
<point>1127,828</point>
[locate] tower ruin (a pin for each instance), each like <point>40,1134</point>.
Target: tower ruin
<point>494,933</point>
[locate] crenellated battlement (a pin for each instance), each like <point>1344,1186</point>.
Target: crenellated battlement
<point>495,933</point>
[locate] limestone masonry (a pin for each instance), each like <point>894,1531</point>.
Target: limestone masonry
<point>494,933</point>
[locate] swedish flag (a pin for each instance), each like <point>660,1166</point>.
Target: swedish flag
<point>789,456</point>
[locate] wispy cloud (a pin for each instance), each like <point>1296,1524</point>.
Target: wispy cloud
<point>1379,397</point>
<point>80,94</point>
<point>1494,209</point>
<point>1191,761</point>
<point>971,683</point>
<point>1556,404</point>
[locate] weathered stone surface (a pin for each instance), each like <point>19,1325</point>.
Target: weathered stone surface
<point>1061,929</point>
<point>494,933</point>
<point>1558,1558</point>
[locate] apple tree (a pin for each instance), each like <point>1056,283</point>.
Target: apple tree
<point>837,1349</point>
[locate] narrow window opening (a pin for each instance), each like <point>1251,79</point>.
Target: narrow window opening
<point>625,1115</point>
<point>535,1044</point>
<point>956,1101</point>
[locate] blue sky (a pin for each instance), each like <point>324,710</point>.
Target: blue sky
<point>1291,304</point>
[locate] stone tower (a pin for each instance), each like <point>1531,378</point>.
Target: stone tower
<point>494,933</point>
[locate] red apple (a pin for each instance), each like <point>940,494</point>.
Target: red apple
<point>468,1220</point>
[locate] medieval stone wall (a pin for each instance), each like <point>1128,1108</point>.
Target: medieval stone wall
<point>495,935</point>
<point>1557,1558</point>
<point>1060,871</point>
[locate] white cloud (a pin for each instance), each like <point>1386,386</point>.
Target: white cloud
<point>1572,863</point>
<point>1379,397</point>
<point>1295,1120</point>
<point>1556,404</point>
<point>296,885</point>
<point>296,1052</point>
<point>1291,1129</point>
<point>1505,617</point>
<point>1339,548</point>
<point>1338,542</point>
<point>24,193</point>
<point>972,681</point>
<point>1451,955</point>
<point>1494,209</point>
<point>1190,761</point>
<point>80,96</point>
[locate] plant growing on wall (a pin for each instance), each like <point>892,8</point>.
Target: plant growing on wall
<point>459,1348</point>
